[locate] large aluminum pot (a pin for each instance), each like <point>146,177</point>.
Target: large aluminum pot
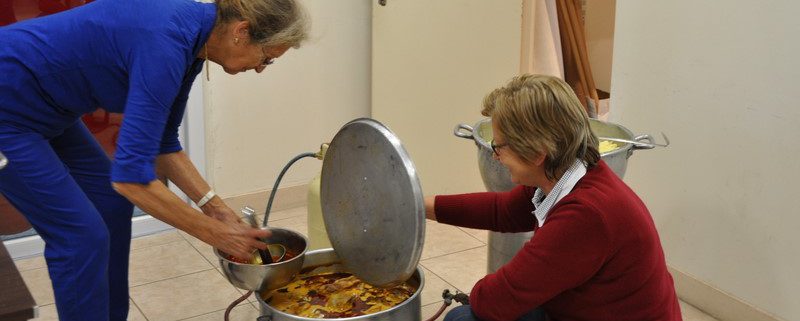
<point>503,246</point>
<point>326,260</point>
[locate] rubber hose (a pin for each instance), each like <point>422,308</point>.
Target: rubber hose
<point>234,303</point>
<point>278,182</point>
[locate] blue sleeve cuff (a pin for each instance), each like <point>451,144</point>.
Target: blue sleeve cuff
<point>132,173</point>
<point>170,147</point>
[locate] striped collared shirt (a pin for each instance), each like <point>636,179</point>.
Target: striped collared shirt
<point>543,203</point>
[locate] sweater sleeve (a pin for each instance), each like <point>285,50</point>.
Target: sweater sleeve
<point>503,212</point>
<point>156,69</point>
<point>564,253</point>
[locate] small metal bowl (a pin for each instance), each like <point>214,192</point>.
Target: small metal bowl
<point>267,277</point>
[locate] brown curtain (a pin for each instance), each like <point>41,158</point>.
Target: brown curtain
<point>577,71</point>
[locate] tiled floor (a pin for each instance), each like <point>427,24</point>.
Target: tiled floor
<point>174,276</point>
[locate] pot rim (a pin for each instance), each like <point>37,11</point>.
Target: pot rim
<point>416,295</point>
<point>482,143</point>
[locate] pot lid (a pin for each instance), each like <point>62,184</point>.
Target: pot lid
<point>372,203</point>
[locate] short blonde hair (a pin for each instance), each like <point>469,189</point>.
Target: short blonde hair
<point>540,114</point>
<point>272,22</point>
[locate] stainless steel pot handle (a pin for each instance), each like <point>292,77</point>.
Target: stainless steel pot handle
<point>644,142</point>
<point>458,133</point>
<point>647,142</point>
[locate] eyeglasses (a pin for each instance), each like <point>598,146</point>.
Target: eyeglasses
<point>496,146</point>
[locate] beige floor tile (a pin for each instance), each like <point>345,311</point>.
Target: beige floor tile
<point>160,238</point>
<point>460,269</point>
<point>442,239</point>
<point>481,235</point>
<point>165,261</point>
<point>429,310</point>
<point>184,297</point>
<point>434,285</point>
<point>47,313</point>
<point>201,247</point>
<point>134,314</point>
<point>35,262</point>
<point>242,312</point>
<point>690,313</point>
<point>298,224</point>
<point>38,282</point>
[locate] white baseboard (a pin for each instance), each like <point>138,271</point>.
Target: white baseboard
<point>715,302</point>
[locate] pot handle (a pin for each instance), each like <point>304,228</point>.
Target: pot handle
<point>646,139</point>
<point>458,131</point>
<point>647,142</point>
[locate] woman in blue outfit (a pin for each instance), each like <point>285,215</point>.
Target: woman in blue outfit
<point>137,57</point>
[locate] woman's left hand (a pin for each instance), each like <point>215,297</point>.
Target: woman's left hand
<point>222,212</point>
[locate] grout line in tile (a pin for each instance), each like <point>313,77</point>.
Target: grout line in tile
<point>445,254</point>
<point>160,244</point>
<point>470,234</point>
<point>137,307</point>
<point>213,264</point>
<point>215,311</point>
<point>174,277</point>
<point>443,279</point>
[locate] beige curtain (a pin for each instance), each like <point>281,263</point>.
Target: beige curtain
<point>554,43</point>
<point>541,42</point>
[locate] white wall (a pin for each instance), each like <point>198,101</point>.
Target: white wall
<point>255,123</point>
<point>433,63</point>
<point>721,79</point>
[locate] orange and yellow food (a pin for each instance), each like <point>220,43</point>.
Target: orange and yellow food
<point>335,295</point>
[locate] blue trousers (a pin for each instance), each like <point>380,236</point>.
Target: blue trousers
<point>464,313</point>
<point>62,185</point>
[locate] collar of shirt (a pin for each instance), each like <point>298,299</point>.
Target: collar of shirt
<point>543,203</point>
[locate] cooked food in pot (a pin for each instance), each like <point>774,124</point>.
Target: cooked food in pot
<point>335,295</point>
<point>607,146</point>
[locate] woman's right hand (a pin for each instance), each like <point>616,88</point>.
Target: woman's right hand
<point>238,239</point>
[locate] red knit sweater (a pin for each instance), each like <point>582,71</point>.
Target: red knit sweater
<point>596,257</point>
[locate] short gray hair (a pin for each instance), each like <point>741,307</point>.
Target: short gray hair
<point>272,22</point>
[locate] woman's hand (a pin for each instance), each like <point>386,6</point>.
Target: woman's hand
<point>221,211</point>
<point>238,240</point>
<point>430,205</point>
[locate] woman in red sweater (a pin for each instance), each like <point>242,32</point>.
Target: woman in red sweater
<point>595,255</point>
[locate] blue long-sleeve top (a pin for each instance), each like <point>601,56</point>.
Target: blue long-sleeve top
<point>136,57</point>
